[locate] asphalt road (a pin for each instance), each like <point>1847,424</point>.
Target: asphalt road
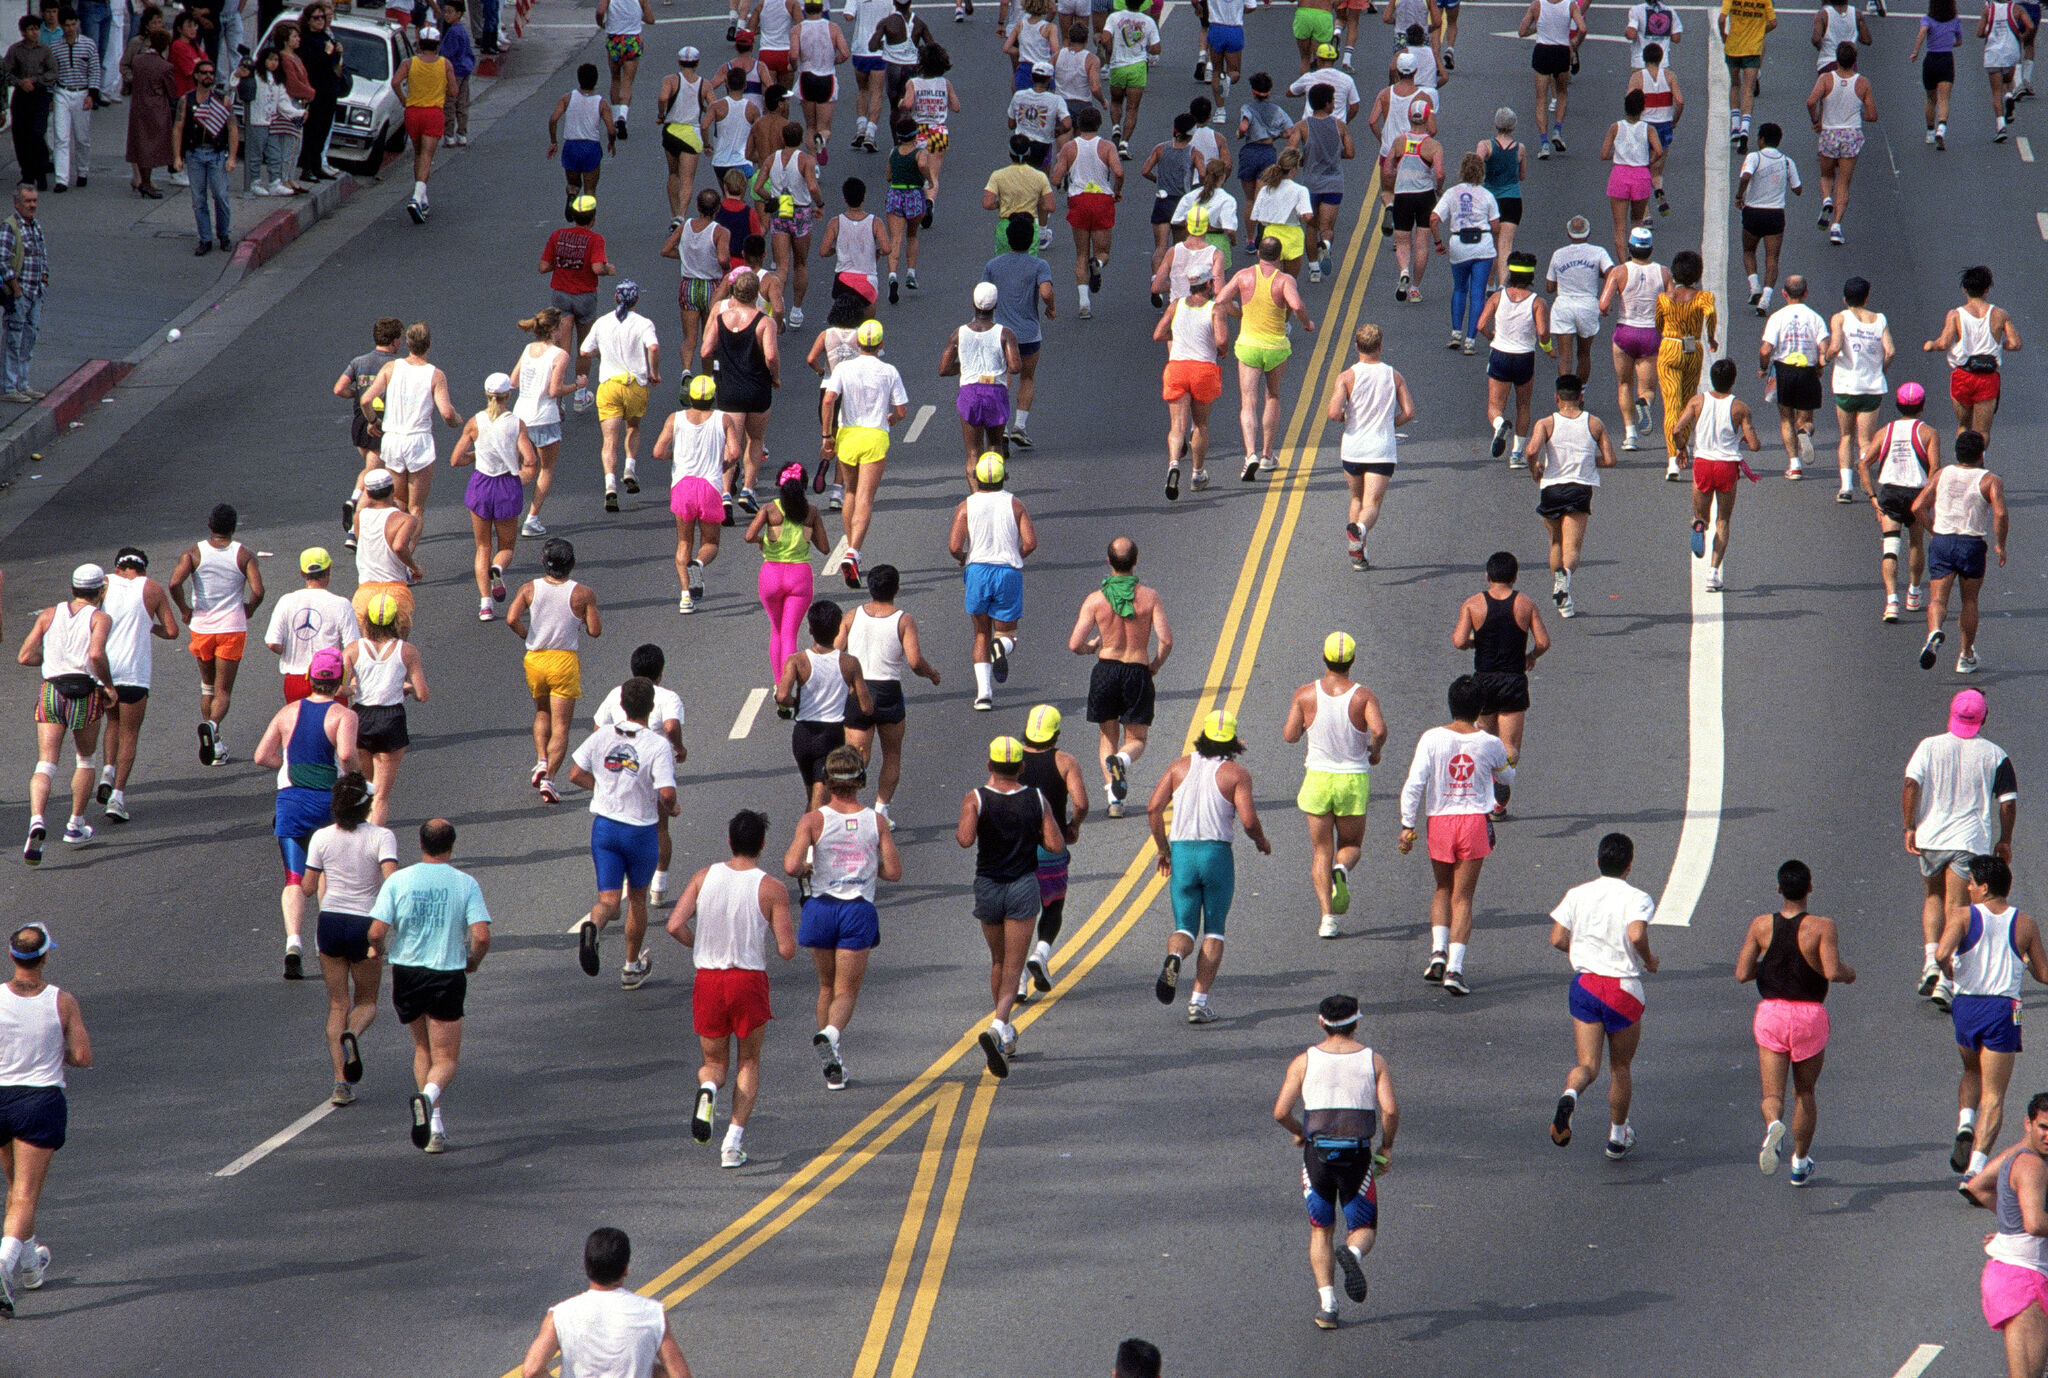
<point>1126,1178</point>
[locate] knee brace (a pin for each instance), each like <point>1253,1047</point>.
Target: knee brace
<point>1894,546</point>
<point>79,762</point>
<point>48,768</point>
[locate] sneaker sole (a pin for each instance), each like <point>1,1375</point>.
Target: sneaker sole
<point>1354,1274</point>
<point>1167,984</point>
<point>1561,1122</point>
<point>1767,1156</point>
<point>1040,977</point>
<point>992,1050</point>
<point>351,1059</point>
<point>586,949</point>
<point>422,1120</point>
<point>1959,1156</point>
<point>701,1117</point>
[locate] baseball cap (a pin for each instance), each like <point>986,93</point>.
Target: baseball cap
<point>88,577</point>
<point>498,384</point>
<point>1641,238</point>
<point>1966,713</point>
<point>326,663</point>
<point>1199,273</point>
<point>703,388</point>
<point>583,205</point>
<point>1005,751</point>
<point>1327,51</point>
<point>314,559</point>
<point>990,467</point>
<point>377,481</point>
<point>381,610</point>
<point>1405,64</point>
<point>868,334</point>
<point>1198,220</point>
<point>1419,109</point>
<point>985,295</point>
<point>743,38</point>
<point>1339,648</point>
<point>688,57</point>
<point>1041,69</point>
<point>1911,394</point>
<point>430,34</point>
<point>1220,728</point>
<point>1042,724</point>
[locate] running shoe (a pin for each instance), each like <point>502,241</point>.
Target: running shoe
<point>1354,541</point>
<point>78,834</point>
<point>1038,968</point>
<point>835,1071</point>
<point>1742,142</point>
<point>631,483</point>
<point>1642,414</point>
<point>1930,977</point>
<point>1940,141</point>
<point>1503,431</point>
<point>1517,459</point>
<point>1663,205</point>
<point>532,527</point>
<point>105,789</point>
<point>1251,468</point>
<point>1835,234</point>
<point>1086,313</point>
<point>1401,288</point>
<point>437,1142</point>
<point>1315,270</point>
<point>849,569</point>
<point>1201,69</point>
<point>1827,212</point>
<point>1267,464</point>
<point>1158,300</point>
<point>206,743</point>
<point>984,704</point>
<point>619,129</point>
<point>1017,437</point>
<point>1891,608</point>
<point>1944,994</point>
<point>1173,483</point>
<point>1794,470</point>
<point>1450,62</point>
<point>419,217</point>
<point>351,1057</point>
<point>1457,341</point>
<point>1767,1156</point>
<point>1617,1149</point>
<point>540,773</point>
<point>30,1275</point>
<point>1201,1014</point>
<point>117,808</point>
<point>1629,440</point>
<point>422,1112</point>
<point>1916,597</point>
<point>342,1094</point>
<point>633,975</point>
<point>998,660</point>
<point>1567,608</point>
<point>220,753</point>
<point>910,275</point>
<point>1010,1042</point>
<point>1671,474</point>
<point>586,946</point>
<point>1095,275</point>
<point>1169,979</point>
<point>1340,891</point>
<point>696,578</point>
<point>1557,130</point>
<point>1119,776</point>
<point>548,793</point>
<point>1345,61</point>
<point>1329,927</point>
<point>1123,150</point>
<point>1966,664</point>
<point>1471,345</point>
<point>1325,1320</point>
<point>2012,101</point>
<point>497,584</point>
<point>701,1114</point>
<point>1454,982</point>
<point>1930,650</point>
<point>2001,135</point>
<point>1802,1172</point>
<point>1715,580</point>
<point>1354,1273</point>
<point>686,604</point>
<point>1200,480</point>
<point>796,313</point>
<point>992,1049</point>
<point>348,515</point>
<point>1543,150</point>
<point>7,1295</point>
<point>294,967</point>
<point>1699,539</point>
<point>1434,972</point>
<point>1115,809</point>
<point>611,500</point>
<point>1561,1122</point>
<point>483,610</point>
<point>1414,294</point>
<point>1220,116</point>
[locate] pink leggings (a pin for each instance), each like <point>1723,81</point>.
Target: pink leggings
<point>786,594</point>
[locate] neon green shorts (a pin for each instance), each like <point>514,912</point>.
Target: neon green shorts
<point>1315,26</point>
<point>1328,792</point>
<point>1263,357</point>
<point>1127,76</point>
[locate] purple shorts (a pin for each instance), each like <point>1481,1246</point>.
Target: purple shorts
<point>1637,341</point>
<point>495,497</point>
<point>986,405</point>
<point>907,202</point>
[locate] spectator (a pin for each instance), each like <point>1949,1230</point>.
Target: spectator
<point>52,29</point>
<point>154,91</point>
<point>30,71</point>
<point>120,19</point>
<point>186,50</point>
<point>487,27</point>
<point>77,90</point>
<point>232,45</point>
<point>24,277</point>
<point>297,84</point>
<point>276,122</point>
<point>152,19</point>
<point>206,136</point>
<point>96,22</point>
<point>461,55</point>
<point>207,13</point>
<point>321,52</point>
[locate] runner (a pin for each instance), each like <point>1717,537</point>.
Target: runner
<point>792,176</point>
<point>42,1031</point>
<point>1795,340</point>
<point>423,83</point>
<point>1567,451</point>
<point>1056,775</point>
<point>1934,48</point>
<point>1573,279</point>
<point>1118,624</point>
<point>1324,141</point>
<point>1556,26</point>
<point>1766,176</point>
<point>983,354</point>
<point>1841,103</point>
<point>863,398</point>
<point>1346,1096</point>
<point>1129,40</point>
<point>991,538</point>
<point>909,205</point>
<point>729,121</point>
<point>386,535</point>
<point>1959,785</point>
<point>1008,823</point>
<point>1023,283</point>
<point>1744,23</point>
<point>1516,323</point>
<point>622,22</point>
<point>647,662</point>
<point>347,863</point>
<point>1686,314</point>
<point>1663,104</point>
<point>1713,424</point>
<point>1314,26</point>
<point>740,346</point>
<point>2016,1187</point>
<point>1860,346</point>
<point>2002,28</point>
<point>1093,176</point>
<point>702,246</point>
<point>408,394</point>
<point>900,38</point>
<point>1077,71</point>
<point>582,129</point>
<point>1210,794</point>
<point>304,621</point>
<point>1173,167</point>
<point>693,442</point>
<point>774,23</point>
<point>1976,336</point>
<point>816,689</point>
<point>364,432</point>
<point>1506,636</point>
<point>1652,22</point>
<point>1638,285</point>
<point>497,443</point>
<point>226,586</point>
<point>929,97</point>
<point>1793,957</point>
<point>1632,146</point>
<point>1039,116</point>
<point>787,529</point>
<point>1453,781</point>
<point>552,614</point>
<point>1345,732</point>
<point>1372,400</point>
<point>139,609</point>
<point>383,671</point>
<point>628,367</point>
<point>1909,451</point>
<point>608,1329</point>
<point>1603,927</point>
<point>868,70</point>
<point>1464,225</point>
<point>1325,71</point>
<point>1224,39</point>
<point>1283,210</point>
<point>1507,163</point>
<point>1262,125</point>
<point>1964,504</point>
<point>309,742</point>
<point>680,107</point>
<point>69,642</point>
<point>883,639</point>
<point>630,770</point>
<point>1987,950</point>
<point>430,923</point>
<point>1195,333</point>
<point>1267,297</point>
<point>820,48</point>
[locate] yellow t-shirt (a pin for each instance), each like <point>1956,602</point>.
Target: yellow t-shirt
<point>1019,189</point>
<point>1746,20</point>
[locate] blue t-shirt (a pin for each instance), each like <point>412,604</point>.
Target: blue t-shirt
<point>1016,277</point>
<point>430,908</point>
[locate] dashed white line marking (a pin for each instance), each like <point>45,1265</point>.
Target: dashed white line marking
<point>923,418</point>
<point>1917,1364</point>
<point>744,723</point>
<point>2026,148</point>
<point>278,1140</point>
<point>2041,220</point>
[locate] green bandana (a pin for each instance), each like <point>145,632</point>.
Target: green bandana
<point>1122,592</point>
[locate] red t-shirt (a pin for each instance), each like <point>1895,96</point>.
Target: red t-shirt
<point>575,252</point>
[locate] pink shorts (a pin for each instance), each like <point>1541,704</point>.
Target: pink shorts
<point>1460,836</point>
<point>1796,1028</point>
<point>1630,182</point>
<point>2010,1289</point>
<point>695,500</point>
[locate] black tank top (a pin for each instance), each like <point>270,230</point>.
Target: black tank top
<point>742,366</point>
<point>1008,833</point>
<point>1042,773</point>
<point>1784,973</point>
<point>1499,647</point>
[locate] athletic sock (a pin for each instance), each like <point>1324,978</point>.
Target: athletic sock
<point>1023,419</point>
<point>1966,1120</point>
<point>1083,289</point>
<point>1800,1164</point>
<point>1327,1297</point>
<point>1009,645</point>
<point>733,1134</point>
<point>432,1093</point>
<point>1198,999</point>
<point>434,1122</point>
<point>1928,948</point>
<point>831,1032</point>
<point>1571,1095</point>
<point>622,112</point>
<point>10,1254</point>
<point>1042,950</point>
<point>293,944</point>
<point>1457,956</point>
<point>660,882</point>
<point>1845,479</point>
<point>984,680</point>
<point>419,191</point>
<point>1617,1132</point>
<point>1977,1162</point>
<point>611,484</point>
<point>1439,938</point>
<point>76,821</point>
<point>1567,580</point>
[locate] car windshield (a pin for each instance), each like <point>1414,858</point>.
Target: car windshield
<point>368,55</point>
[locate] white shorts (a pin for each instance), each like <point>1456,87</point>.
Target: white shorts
<point>1076,8</point>
<point>407,454</point>
<point>1578,316</point>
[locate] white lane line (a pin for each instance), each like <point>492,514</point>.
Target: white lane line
<point>2041,220</point>
<point>744,723</point>
<point>1591,37</point>
<point>1706,730</point>
<point>923,418</point>
<point>278,1140</point>
<point>1917,1365</point>
<point>2026,148</point>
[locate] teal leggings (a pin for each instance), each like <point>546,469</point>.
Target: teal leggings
<point>1204,879</point>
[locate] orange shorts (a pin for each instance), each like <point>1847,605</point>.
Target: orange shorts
<point>1192,378</point>
<point>218,645</point>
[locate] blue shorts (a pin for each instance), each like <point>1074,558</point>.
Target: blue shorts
<point>36,1115</point>
<point>1664,131</point>
<point>996,591</point>
<point>625,853</point>
<point>1204,882</point>
<point>1052,875</point>
<point>1987,1022</point>
<point>1023,77</point>
<point>1226,38</point>
<point>849,925</point>
<point>300,813</point>
<point>582,155</point>
<point>1513,369</point>
<point>1601,1000</point>
<point>1955,555</point>
<point>2033,12</point>
<point>866,63</point>
<point>1327,198</point>
<point>1344,1179</point>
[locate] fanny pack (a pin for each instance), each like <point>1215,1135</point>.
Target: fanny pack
<point>1472,236</point>
<point>1338,1151</point>
<point>74,686</point>
<point>1688,344</point>
<point>1981,363</point>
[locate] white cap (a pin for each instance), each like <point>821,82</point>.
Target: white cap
<point>1405,64</point>
<point>687,55</point>
<point>430,34</point>
<point>985,296</point>
<point>378,481</point>
<point>498,384</point>
<point>1041,69</point>
<point>1198,273</point>
<point>88,577</point>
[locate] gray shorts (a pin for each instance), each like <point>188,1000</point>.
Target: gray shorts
<point>1932,863</point>
<point>544,436</point>
<point>997,900</point>
<point>581,305</point>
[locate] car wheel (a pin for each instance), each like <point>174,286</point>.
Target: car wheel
<point>394,143</point>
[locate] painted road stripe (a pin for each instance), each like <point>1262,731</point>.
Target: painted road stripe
<point>2041,220</point>
<point>1917,1365</point>
<point>924,416</point>
<point>2026,148</point>
<point>279,1139</point>
<point>744,723</point>
<point>883,1320</point>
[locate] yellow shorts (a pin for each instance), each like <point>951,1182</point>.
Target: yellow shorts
<point>858,445</point>
<point>554,675</point>
<point>621,396</point>
<point>400,594</point>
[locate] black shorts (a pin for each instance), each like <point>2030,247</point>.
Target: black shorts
<point>417,991</point>
<point>346,936</point>
<point>673,146</point>
<point>1551,59</point>
<point>742,398</point>
<point>36,1115</point>
<point>359,433</point>
<point>1763,223</point>
<point>1936,68</point>
<point>815,87</point>
<point>1119,691</point>
<point>1361,470</point>
<point>888,697</point>
<point>1510,209</point>
<point>1559,500</point>
<point>1411,209</point>
<point>131,693</point>
<point>1503,693</point>
<point>1798,386</point>
<point>1040,155</point>
<point>381,727</point>
<point>1517,370</point>
<point>1895,500</point>
<point>810,743</point>
<point>1162,209</point>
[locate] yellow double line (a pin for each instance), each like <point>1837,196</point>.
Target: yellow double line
<point>1110,922</point>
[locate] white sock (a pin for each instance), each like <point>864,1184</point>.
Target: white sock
<point>710,1086</point>
<point>1928,948</point>
<point>1328,1297</point>
<point>1023,419</point>
<point>432,1093</point>
<point>660,881</point>
<point>1977,1162</point>
<point>77,820</point>
<point>831,1032</point>
<point>984,680</point>
<point>1799,1163</point>
<point>1567,580</point>
<point>611,484</point>
<point>1617,1132</point>
<point>1765,300</point>
<point>1571,1095</point>
<point>1439,938</point>
<point>622,112</point>
<point>1754,287</point>
<point>35,820</point>
<point>1198,999</point>
<point>1845,480</point>
<point>1042,951</point>
<point>10,1254</point>
<point>1966,1120</point>
<point>733,1134</point>
<point>632,469</point>
<point>1083,290</point>
<point>1009,645</point>
<point>1339,868</point>
<point>292,944</point>
<point>1457,956</point>
<point>419,191</point>
<point>434,1122</point>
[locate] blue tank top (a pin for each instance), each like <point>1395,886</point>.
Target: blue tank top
<point>1504,170</point>
<point>309,756</point>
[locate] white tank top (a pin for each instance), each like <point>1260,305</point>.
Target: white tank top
<point>1841,107</point>
<point>929,101</point>
<point>1090,172</point>
<point>1841,29</point>
<point>1859,368</point>
<point>729,146</point>
<point>1639,292</point>
<point>1553,23</point>
<point>1974,336</point>
<point>581,120</point>
<point>1514,324</point>
<point>1714,434</point>
<point>1034,41</point>
<point>847,855</point>
<point>822,697</point>
<point>981,355</point>
<point>902,52</point>
<point>67,645</point>
<point>1657,95</point>
<point>1070,75</point>
<point>867,16</point>
<point>217,589</point>
<point>775,26</point>
<point>698,249</point>
<point>552,624</point>
<point>1369,416</point>
<point>537,405</point>
<point>1905,459</point>
<point>1192,337</point>
<point>1987,963</point>
<point>1573,456</point>
<point>992,534</point>
<point>699,449</point>
<point>1631,143</point>
<point>497,445</point>
<point>1334,745</point>
<point>731,929</point>
<point>129,653</point>
<point>786,175</point>
<point>1960,508</point>
<point>31,1039</point>
<point>1412,172</point>
<point>877,643</point>
<point>1200,812</point>
<point>1397,118</point>
<point>856,245</point>
<point>375,564</point>
<point>380,683</point>
<point>409,401</point>
<point>689,103</point>
<point>2001,45</point>
<point>1339,1081</point>
<point>814,51</point>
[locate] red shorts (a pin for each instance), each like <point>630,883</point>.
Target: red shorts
<point>776,60</point>
<point>1715,475</point>
<point>1968,389</point>
<point>2009,1289</point>
<point>1192,378</point>
<point>424,122</point>
<point>1092,210</point>
<point>1797,1028</point>
<point>296,687</point>
<point>1460,836</point>
<point>729,1001</point>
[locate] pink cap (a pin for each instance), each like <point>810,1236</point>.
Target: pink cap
<point>1911,394</point>
<point>1966,713</point>
<point>326,665</point>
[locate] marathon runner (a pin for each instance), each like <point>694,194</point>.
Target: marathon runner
<point>1963,505</point>
<point>226,586</point>
<point>1567,451</point>
<point>629,767</point>
<point>1266,296</point>
<point>1008,823</point>
<point>1794,341</point>
<point>1637,285</point>
<point>1210,794</point>
<point>574,259</point>
<point>1516,323</point>
<point>347,863</point>
<point>1556,26</point>
<point>1118,624</point>
<point>774,23</point>
<point>1452,781</point>
<point>1987,950</point>
<point>386,535</point>
<point>1976,336</point>
<point>551,615</point>
<point>702,246</point>
<point>1714,423</point>
<point>607,1325</point>
<point>1023,283</point>
<point>787,530</point>
<point>1577,271</point>
<point>862,399</point>
<point>364,432</point>
<point>680,108</point>
<point>1465,223</point>
<point>628,368</point>
<point>983,354</point>
<point>1860,346</point>
<point>1685,316</point>
<point>648,663</point>
<point>1341,720</point>
<point>1223,39</point>
<point>1841,103</point>
<point>1174,166</point>
<point>791,175</point>
<point>1195,333</point>
<point>69,643</point>
<point>929,97</point>
<point>1663,102</point>
<point>991,538</point>
<point>424,82</point>
<point>1056,775</point>
<point>1632,145</point>
<point>1959,786</point>
<point>1934,47</point>
<point>1324,142</point>
<point>868,70</point>
<point>1506,636</point>
<point>139,609</point>
<point>1089,169</point>
<point>1372,400</point>
<point>42,1031</point>
<point>2002,28</point>
<point>1040,117</point>
<point>1129,40</point>
<point>308,620</point>
<point>908,204</point>
<point>1793,957</point>
<point>1261,126</point>
<point>740,349</point>
<point>309,742</point>
<point>883,638</point>
<point>1905,455</point>
<point>815,689</point>
<point>2013,1286</point>
<point>382,671</point>
<point>622,22</point>
<point>582,129</point>
<point>408,394</point>
<point>1744,23</point>
<point>496,442</point>
<point>545,377</point>
<point>693,442</point>
<point>1603,926</point>
<point>820,48</point>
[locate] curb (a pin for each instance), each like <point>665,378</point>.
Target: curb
<point>55,414</point>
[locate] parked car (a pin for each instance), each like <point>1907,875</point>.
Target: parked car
<point>370,121</point>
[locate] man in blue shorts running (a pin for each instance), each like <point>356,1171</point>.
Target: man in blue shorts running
<point>992,534</point>
<point>630,770</point>
<point>1604,927</point>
